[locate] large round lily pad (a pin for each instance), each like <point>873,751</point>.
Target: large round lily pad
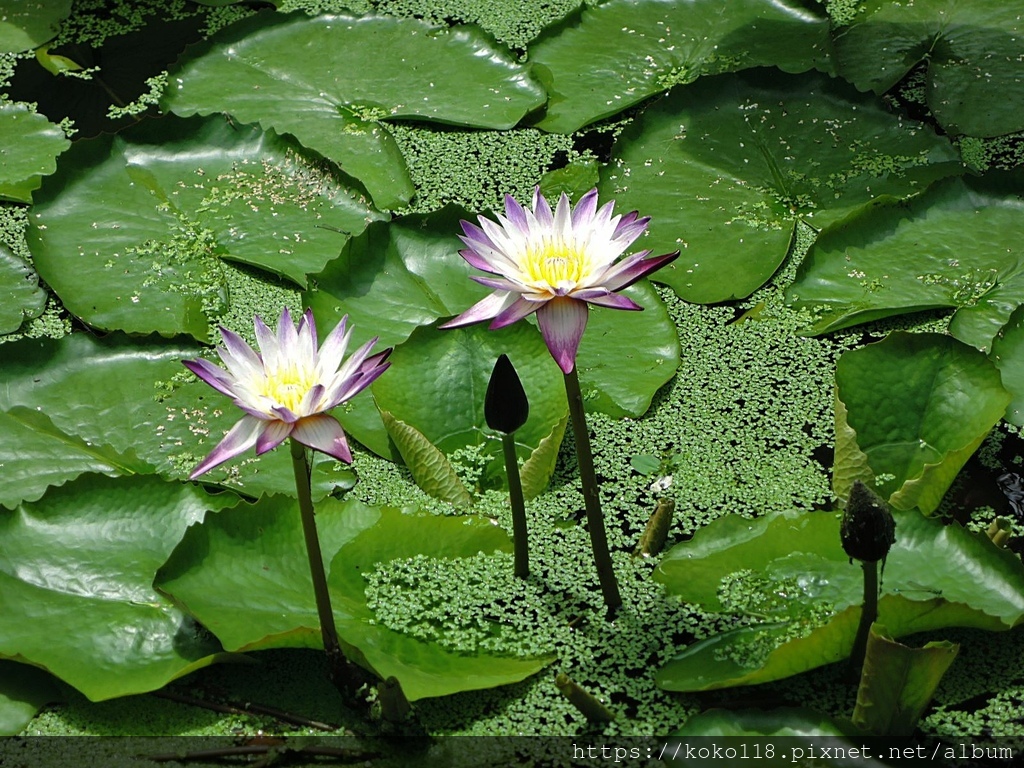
<point>623,51</point>
<point>725,166</point>
<point>76,573</point>
<point>327,81</point>
<point>957,245</point>
<point>132,229</point>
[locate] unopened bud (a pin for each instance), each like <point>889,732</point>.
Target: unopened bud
<point>867,530</point>
<point>505,405</point>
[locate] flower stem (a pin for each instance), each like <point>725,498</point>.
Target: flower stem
<point>515,495</point>
<point>592,495</point>
<point>335,657</point>
<point>868,615</point>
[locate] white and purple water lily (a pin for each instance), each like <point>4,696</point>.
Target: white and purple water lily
<point>286,389</point>
<point>555,264</point>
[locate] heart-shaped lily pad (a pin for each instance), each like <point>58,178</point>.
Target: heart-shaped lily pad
<point>725,166</point>
<point>132,229</point>
<point>76,573</point>
<point>623,51</point>
<point>910,411</point>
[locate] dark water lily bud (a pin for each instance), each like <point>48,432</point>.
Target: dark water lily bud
<point>505,405</point>
<point>867,529</point>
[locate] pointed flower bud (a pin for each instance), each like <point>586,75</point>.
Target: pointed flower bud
<point>506,408</point>
<point>867,529</point>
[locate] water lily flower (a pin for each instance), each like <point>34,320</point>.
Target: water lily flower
<point>555,264</point>
<point>286,389</point>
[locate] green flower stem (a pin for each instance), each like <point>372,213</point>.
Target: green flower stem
<point>868,615</point>
<point>592,495</point>
<point>332,647</point>
<point>515,495</point>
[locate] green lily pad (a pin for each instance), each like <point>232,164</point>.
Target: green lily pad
<point>957,245</point>
<point>27,25</point>
<point>144,413</point>
<point>29,145</point>
<point>1008,356</point>
<point>790,571</point>
<point>132,229</point>
<point>725,167</point>
<point>76,570</point>
<point>24,690</point>
<point>21,298</point>
<point>623,51</point>
<point>897,683</point>
<point>916,406</point>
<point>327,81</point>
<point>244,574</point>
<point>972,53</point>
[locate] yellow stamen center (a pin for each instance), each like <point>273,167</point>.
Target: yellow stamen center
<point>287,386</point>
<point>555,263</point>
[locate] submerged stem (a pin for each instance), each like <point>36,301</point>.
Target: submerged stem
<point>868,615</point>
<point>515,494</point>
<point>592,495</point>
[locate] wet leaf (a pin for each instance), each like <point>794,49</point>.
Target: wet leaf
<point>76,572</point>
<point>29,145</point>
<point>27,25</point>
<point>957,245</point>
<point>296,74</point>
<point>972,51</point>
<point>24,690</point>
<point>916,405</point>
<point>164,204</point>
<point>1008,356</point>
<point>623,51</point>
<point>243,573</point>
<point>21,298</point>
<point>789,570</point>
<point>725,167</point>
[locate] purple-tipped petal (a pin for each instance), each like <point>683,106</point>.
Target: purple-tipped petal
<point>515,213</point>
<point>267,342</point>
<point>628,271</point>
<point>323,433</point>
<point>499,283</point>
<point>585,209</point>
<point>287,337</point>
<point>239,439</point>
<point>541,209</point>
<point>474,235</point>
<point>238,356</point>
<point>562,322</point>
<point>485,309</point>
<point>211,374</point>
<point>285,414</point>
<point>474,259</point>
<point>605,298</point>
<point>307,334</point>
<point>517,310</point>
<point>333,349</point>
<point>273,434</point>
